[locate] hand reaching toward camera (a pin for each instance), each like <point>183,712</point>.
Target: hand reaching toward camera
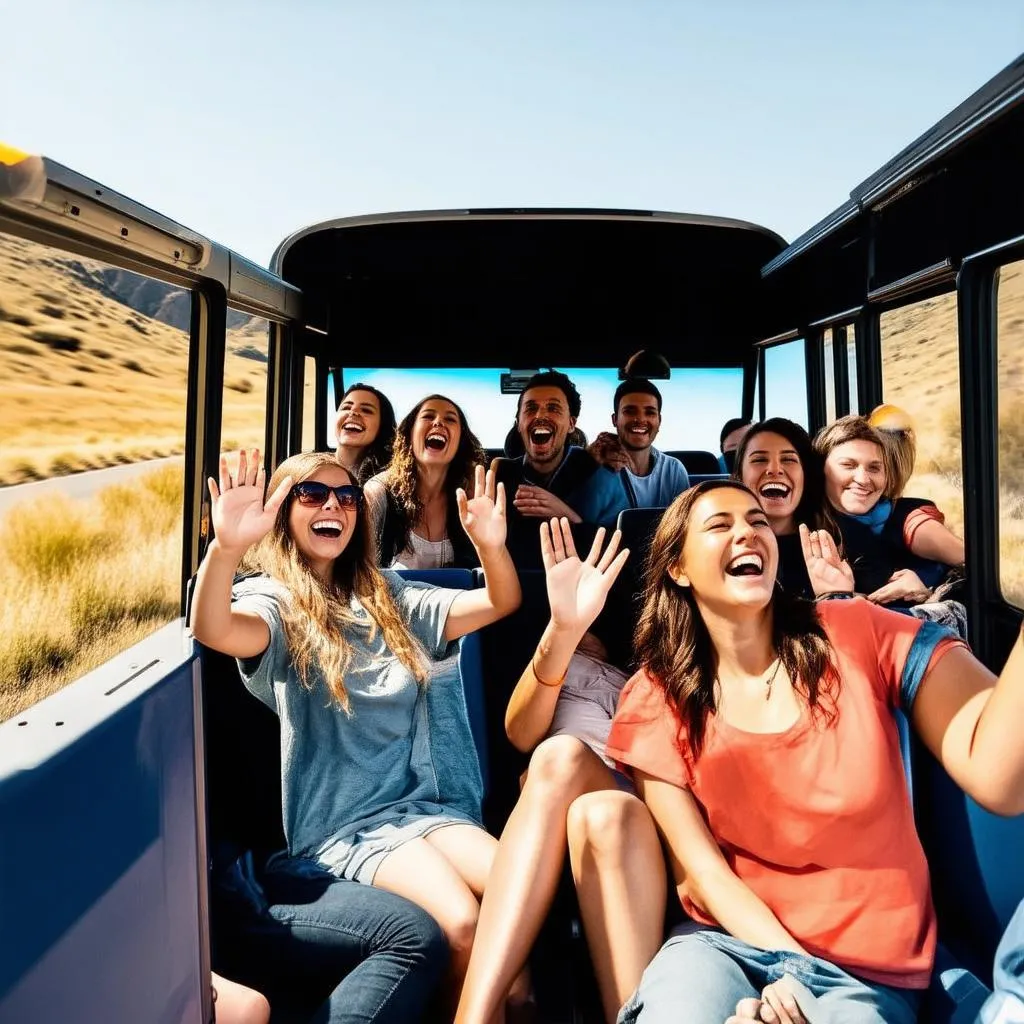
<point>240,516</point>
<point>577,589</point>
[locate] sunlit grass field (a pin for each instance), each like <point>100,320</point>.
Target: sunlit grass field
<point>81,581</point>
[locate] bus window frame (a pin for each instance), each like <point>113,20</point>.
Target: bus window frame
<point>996,620</point>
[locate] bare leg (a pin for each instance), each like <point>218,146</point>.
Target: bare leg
<point>420,872</point>
<point>526,871</point>
<point>619,869</point>
<point>237,1004</point>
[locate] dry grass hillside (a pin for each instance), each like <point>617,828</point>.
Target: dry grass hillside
<point>921,374</point>
<point>87,381</point>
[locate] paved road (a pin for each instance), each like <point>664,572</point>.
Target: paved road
<point>77,485</point>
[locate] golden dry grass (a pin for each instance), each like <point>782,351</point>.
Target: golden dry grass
<point>87,382</point>
<point>81,581</point>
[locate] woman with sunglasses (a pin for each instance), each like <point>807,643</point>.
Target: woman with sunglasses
<point>380,779</point>
<point>413,503</point>
<point>762,737</point>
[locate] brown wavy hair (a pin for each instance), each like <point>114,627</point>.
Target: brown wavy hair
<point>402,476</point>
<point>318,613</point>
<point>673,644</point>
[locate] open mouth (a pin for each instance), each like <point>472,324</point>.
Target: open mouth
<point>775,491</point>
<point>746,565</point>
<point>329,528</point>
<point>354,428</point>
<point>541,436</point>
<point>436,442</point>
<point>640,431</point>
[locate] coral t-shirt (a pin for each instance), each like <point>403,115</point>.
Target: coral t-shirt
<point>816,820</point>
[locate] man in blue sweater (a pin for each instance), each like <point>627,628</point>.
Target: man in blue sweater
<point>554,478</point>
<point>652,479</point>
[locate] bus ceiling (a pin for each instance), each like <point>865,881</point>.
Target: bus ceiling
<point>593,287</point>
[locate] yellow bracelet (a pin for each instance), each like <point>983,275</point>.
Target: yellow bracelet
<point>544,682</point>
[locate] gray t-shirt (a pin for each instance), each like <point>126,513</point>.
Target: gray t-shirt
<point>345,773</point>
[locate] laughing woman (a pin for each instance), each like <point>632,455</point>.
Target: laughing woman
<point>762,738</point>
<point>777,461</point>
<point>375,785</point>
<point>365,429</point>
<point>412,503</point>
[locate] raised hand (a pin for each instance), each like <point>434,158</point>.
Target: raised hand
<point>240,517</point>
<point>577,590</point>
<point>828,572</point>
<point>483,515</point>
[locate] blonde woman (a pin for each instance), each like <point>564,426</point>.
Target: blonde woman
<point>380,782</point>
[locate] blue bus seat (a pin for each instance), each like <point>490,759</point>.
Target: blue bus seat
<point>470,658</point>
<point>698,461</point>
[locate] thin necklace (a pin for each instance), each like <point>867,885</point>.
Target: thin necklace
<point>771,678</point>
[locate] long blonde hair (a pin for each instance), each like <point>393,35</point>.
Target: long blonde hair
<point>317,614</point>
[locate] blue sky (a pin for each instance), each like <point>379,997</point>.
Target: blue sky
<point>247,120</point>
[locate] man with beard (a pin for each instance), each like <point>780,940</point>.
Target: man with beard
<point>553,478</point>
<point>652,478</point>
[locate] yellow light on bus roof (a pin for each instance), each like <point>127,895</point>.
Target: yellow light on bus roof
<point>9,155</point>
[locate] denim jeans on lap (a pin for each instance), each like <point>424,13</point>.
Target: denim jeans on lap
<point>327,950</point>
<point>700,974</point>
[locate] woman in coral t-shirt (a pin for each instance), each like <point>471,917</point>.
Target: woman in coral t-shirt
<point>762,737</point>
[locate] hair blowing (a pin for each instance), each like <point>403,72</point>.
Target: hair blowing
<point>675,648</point>
<point>318,613</point>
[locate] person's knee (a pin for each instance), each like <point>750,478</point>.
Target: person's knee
<point>556,766</point>
<point>606,821</point>
<point>459,926</point>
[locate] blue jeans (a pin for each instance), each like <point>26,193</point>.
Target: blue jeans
<point>1006,1004</point>
<point>322,949</point>
<point>700,974</point>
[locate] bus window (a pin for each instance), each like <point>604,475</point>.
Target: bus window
<point>851,366</point>
<point>93,377</point>
<point>785,381</point>
<point>921,375</point>
<point>1010,340</point>
<point>830,375</point>
<point>244,416</point>
<point>309,404</point>
<point>695,401</point>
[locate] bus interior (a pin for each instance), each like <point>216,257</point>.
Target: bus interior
<point>116,789</point>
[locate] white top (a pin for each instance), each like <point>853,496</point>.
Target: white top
<point>421,553</point>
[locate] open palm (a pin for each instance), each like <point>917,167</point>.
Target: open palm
<point>828,571</point>
<point>577,589</point>
<point>483,515</point>
<point>240,517</point>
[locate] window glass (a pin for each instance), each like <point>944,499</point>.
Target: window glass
<point>921,375</point>
<point>830,375</point>
<point>309,405</point>
<point>785,381</point>
<point>93,380</point>
<point>695,402</point>
<point>757,393</point>
<point>851,366</point>
<point>1010,335</point>
<point>244,416</point>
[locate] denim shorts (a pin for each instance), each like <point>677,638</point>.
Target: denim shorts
<point>357,857</point>
<point>700,974</point>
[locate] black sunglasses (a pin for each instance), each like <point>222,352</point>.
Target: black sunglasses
<point>313,493</point>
